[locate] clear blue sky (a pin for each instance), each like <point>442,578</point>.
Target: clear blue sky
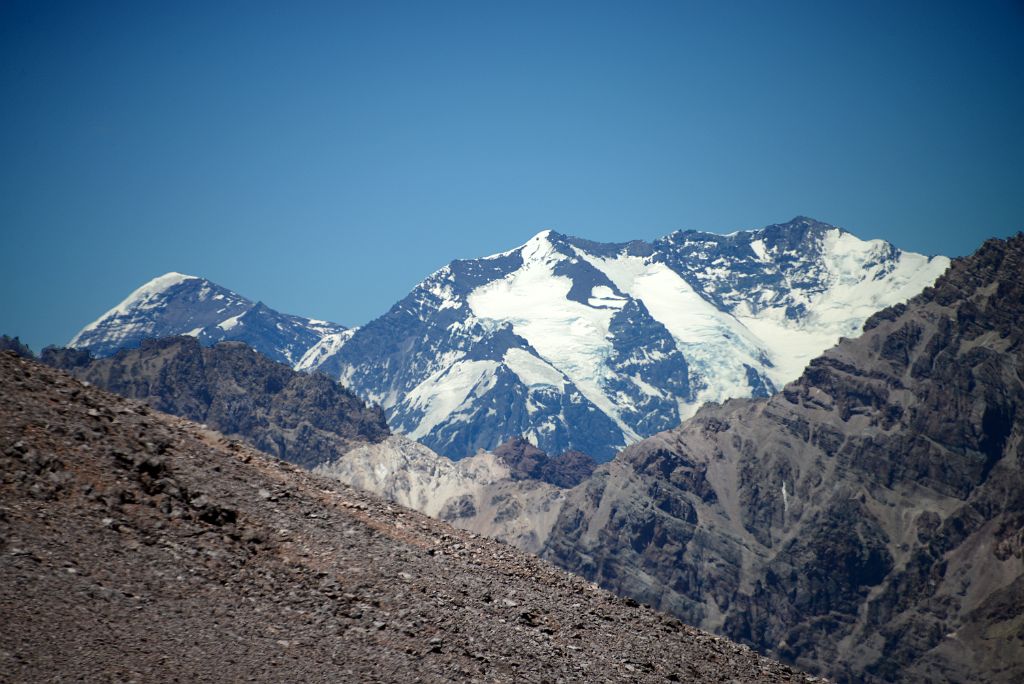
<point>325,157</point>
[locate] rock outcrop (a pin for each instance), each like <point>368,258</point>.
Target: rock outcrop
<point>526,462</point>
<point>867,522</point>
<point>135,546</point>
<point>15,345</point>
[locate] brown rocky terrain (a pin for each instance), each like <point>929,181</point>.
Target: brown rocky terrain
<point>135,546</point>
<point>867,522</point>
<point>527,462</point>
<point>304,418</point>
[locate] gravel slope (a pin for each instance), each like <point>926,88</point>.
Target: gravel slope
<point>139,547</point>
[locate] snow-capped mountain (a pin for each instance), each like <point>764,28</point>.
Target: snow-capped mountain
<point>571,343</point>
<point>178,304</point>
<point>590,346</point>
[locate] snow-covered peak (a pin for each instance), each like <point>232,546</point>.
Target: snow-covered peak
<point>179,304</point>
<point>538,248</point>
<point>587,345</point>
<point>142,298</point>
<point>536,245</point>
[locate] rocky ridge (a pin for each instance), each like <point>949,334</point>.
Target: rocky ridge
<point>136,546</point>
<point>304,418</point>
<point>512,494</point>
<point>867,522</point>
<point>481,493</point>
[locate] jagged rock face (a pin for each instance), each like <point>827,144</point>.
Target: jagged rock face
<point>303,418</point>
<point>178,304</point>
<point>867,522</point>
<point>527,462</point>
<point>581,345</point>
<point>135,546</point>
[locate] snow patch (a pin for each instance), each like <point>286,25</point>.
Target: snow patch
<point>441,394</point>
<point>229,323</point>
<point>759,250</point>
<point>328,346</point>
<point>533,371</point>
<point>603,296</point>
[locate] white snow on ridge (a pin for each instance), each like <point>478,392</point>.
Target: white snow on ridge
<point>230,323</point>
<point>531,370</point>
<point>141,299</point>
<point>324,328</point>
<point>444,392</point>
<point>715,344</point>
<point>571,336</point>
<point>858,292</point>
<point>328,346</point>
<point>853,293</point>
<point>443,291</point>
<point>541,236</point>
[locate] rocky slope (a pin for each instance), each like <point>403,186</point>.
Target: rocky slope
<point>481,493</point>
<point>512,494</point>
<point>139,547</point>
<point>303,418</point>
<point>866,522</point>
<point>178,304</point>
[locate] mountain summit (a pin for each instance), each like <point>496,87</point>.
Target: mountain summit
<point>179,304</point>
<point>590,346</point>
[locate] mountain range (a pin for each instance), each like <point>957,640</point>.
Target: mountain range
<point>864,522</point>
<point>573,344</point>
